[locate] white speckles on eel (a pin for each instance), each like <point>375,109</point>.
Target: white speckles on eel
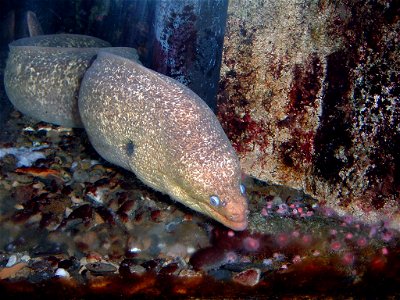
<point>159,129</point>
<point>43,74</point>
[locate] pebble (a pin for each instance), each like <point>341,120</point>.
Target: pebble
<point>18,206</point>
<point>86,164</point>
<point>154,264</point>
<point>18,178</point>
<point>60,272</point>
<point>101,268</point>
<point>80,176</point>
<point>41,266</point>
<point>130,267</point>
<point>74,166</point>
<point>95,175</point>
<point>25,258</point>
<point>71,263</point>
<point>97,196</point>
<point>267,262</point>
<point>137,269</point>
<point>248,277</point>
<point>11,261</point>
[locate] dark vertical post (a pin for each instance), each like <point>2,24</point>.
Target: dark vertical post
<point>187,43</point>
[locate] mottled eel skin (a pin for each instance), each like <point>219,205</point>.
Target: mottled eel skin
<point>154,126</point>
<point>43,74</point>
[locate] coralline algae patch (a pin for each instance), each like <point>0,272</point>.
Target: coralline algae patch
<point>71,221</point>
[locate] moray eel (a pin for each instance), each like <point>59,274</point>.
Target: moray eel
<point>43,74</point>
<point>156,127</point>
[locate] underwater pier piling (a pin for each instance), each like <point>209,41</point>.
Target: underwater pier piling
<point>187,43</point>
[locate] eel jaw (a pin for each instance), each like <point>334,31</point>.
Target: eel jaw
<point>237,224</point>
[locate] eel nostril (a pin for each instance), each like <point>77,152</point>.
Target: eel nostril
<point>235,216</point>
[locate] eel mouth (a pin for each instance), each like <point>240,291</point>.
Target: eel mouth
<point>237,225</point>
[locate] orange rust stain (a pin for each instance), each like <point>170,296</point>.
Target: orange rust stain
<point>37,172</point>
<point>11,271</point>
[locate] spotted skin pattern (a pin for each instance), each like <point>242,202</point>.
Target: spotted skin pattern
<point>156,127</point>
<point>43,74</point>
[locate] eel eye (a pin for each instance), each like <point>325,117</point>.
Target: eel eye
<point>215,201</point>
<point>242,189</point>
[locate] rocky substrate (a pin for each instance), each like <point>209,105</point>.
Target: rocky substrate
<point>73,225</point>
